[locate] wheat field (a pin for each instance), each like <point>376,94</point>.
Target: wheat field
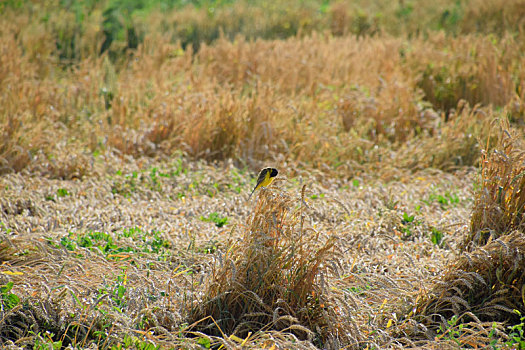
<point>132,133</point>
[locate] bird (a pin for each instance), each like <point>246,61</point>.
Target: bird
<point>266,176</point>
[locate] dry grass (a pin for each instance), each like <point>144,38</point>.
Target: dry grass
<point>162,278</point>
<point>274,279</point>
<point>478,72</point>
<point>125,167</point>
<point>482,291</point>
<point>337,103</point>
<point>452,146</point>
<point>500,201</point>
<point>251,119</point>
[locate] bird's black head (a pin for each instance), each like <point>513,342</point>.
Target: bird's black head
<point>273,172</point>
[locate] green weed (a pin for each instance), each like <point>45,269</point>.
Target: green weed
<point>237,180</point>
<point>8,299</point>
<point>316,196</point>
<point>132,342</point>
<point>109,245</point>
<point>436,236</point>
<point>62,192</point>
<point>44,341</point>
<point>148,242</point>
<point>204,342</point>
<point>213,192</point>
<point>127,184</point>
<point>117,291</point>
<point>517,334</point>
<point>126,187</point>
<point>359,290</point>
<point>154,178</point>
<point>445,201</point>
<point>407,219</point>
<point>408,223</point>
<point>216,218</point>
<point>154,183</point>
<point>4,228</point>
<point>67,243</point>
<point>452,331</point>
<point>210,247</point>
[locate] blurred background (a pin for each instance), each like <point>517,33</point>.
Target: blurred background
<point>320,83</point>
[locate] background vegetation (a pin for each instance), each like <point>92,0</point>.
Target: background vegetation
<point>121,75</point>
<point>404,117</point>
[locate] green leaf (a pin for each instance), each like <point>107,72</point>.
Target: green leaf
<point>6,288</point>
<point>85,242</point>
<point>76,298</point>
<point>62,192</point>
<point>67,243</point>
<point>11,300</point>
<point>408,218</point>
<point>205,342</point>
<point>215,218</point>
<point>120,291</point>
<point>436,236</point>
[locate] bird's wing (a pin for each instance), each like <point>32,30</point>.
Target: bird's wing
<point>260,179</point>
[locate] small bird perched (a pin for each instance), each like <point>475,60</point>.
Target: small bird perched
<point>265,178</point>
